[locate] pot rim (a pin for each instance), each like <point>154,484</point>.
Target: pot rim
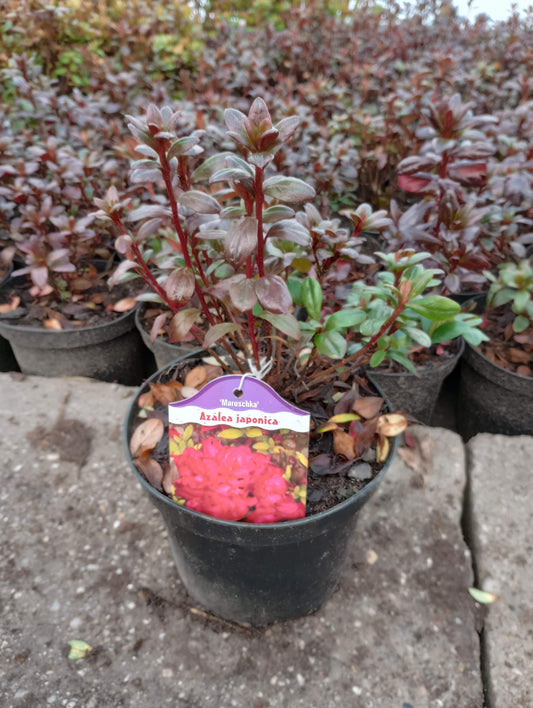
<point>472,351</point>
<point>258,528</point>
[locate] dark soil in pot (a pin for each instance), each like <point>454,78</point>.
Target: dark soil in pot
<point>69,338</point>
<point>417,395</point>
<point>258,573</point>
<point>164,352</point>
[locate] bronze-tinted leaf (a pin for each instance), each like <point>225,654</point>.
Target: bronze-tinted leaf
<point>259,113</point>
<point>218,331</point>
<point>200,202</point>
<point>152,470</point>
<point>273,294</point>
<point>146,436</point>
<point>367,407</point>
<point>180,284</point>
<point>157,325</point>
<point>243,295</point>
<point>181,324</point>
<point>344,444</point>
<point>241,239</point>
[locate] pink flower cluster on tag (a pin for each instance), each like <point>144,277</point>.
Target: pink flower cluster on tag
<point>234,483</point>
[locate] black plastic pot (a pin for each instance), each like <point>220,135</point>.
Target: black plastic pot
<point>416,395</point>
<point>7,359</point>
<point>257,573</point>
<point>112,351</point>
<point>164,352</point>
<point>492,399</point>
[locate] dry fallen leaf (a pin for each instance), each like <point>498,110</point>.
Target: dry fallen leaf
<point>392,424</point>
<point>196,378</point>
<point>152,470</point>
<point>213,371</point>
<point>344,444</point>
<point>523,370</point>
<point>146,400</point>
<point>166,393</point>
<point>483,597</point>
<point>518,356</point>
<point>146,437</point>
<point>8,307</point>
<point>124,305</point>
<point>188,391</point>
<point>52,323</point>
<point>382,449</point>
<point>367,407</point>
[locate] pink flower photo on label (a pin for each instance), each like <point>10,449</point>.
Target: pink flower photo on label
<point>245,474</point>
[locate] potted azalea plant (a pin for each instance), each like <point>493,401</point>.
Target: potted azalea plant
<point>496,387</point>
<point>237,262</point>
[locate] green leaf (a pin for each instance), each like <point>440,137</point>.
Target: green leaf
<point>211,165</point>
<point>403,360</point>
<point>278,212</point>
<point>344,318</point>
<point>475,337</point>
<point>438,303</point>
<point>377,358</point>
<point>371,326</point>
<point>312,298</point>
<point>501,297</point>
<point>521,300</point>
<point>288,189</point>
<point>288,324</point>
<point>450,330</point>
<point>200,202</point>
<point>419,336</point>
<point>331,344</point>
<point>218,331</point>
<point>181,146</point>
<point>79,649</point>
<point>520,323</point>
<point>230,173</point>
<point>295,289</point>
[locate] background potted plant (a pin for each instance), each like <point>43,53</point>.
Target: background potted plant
<point>236,243</point>
<point>56,310</point>
<point>496,388</point>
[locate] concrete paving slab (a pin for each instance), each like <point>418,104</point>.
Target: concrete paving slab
<point>501,520</point>
<point>84,556</point>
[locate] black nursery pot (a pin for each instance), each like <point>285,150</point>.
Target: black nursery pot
<point>112,351</point>
<point>7,359</point>
<point>492,399</point>
<point>416,395</point>
<point>257,573</point>
<point>164,352</point>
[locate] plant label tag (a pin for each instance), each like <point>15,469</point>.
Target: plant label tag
<point>239,452</point>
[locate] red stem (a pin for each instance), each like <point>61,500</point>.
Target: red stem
<point>259,200</point>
